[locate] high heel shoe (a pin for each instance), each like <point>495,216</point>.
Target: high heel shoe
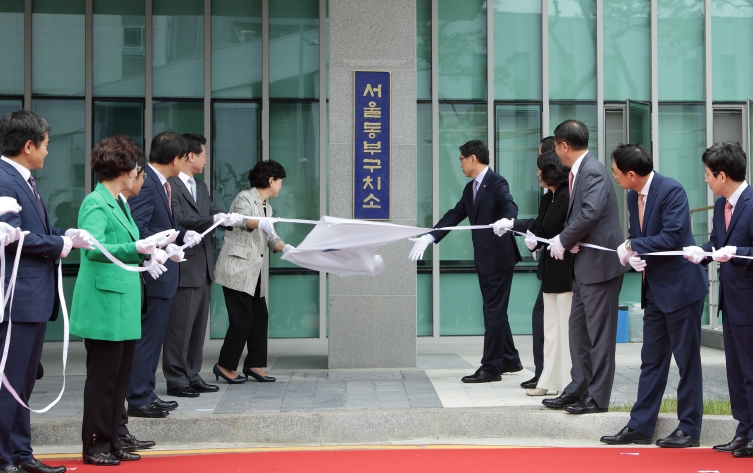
<point>219,374</point>
<point>262,379</point>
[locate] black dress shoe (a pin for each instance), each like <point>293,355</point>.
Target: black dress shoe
<point>735,444</point>
<point>131,443</point>
<point>560,401</point>
<point>262,379</point>
<point>481,376</point>
<point>11,468</point>
<point>124,456</point>
<point>626,436</point>
<point>203,387</point>
<point>746,451</point>
<point>586,405</point>
<point>183,391</point>
<point>36,466</point>
<point>678,439</point>
<point>530,384</point>
<point>165,405</point>
<point>511,369</point>
<point>100,459</point>
<point>148,410</point>
<point>219,374</point>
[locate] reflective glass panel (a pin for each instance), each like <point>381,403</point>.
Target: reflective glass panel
<point>572,49</point>
<point>559,112</point>
<point>58,47</point>
<point>462,49</point>
<point>180,117</point>
<point>423,49</point>
<point>681,63</point>
<point>294,49</point>
<point>125,118</point>
<point>9,106</point>
<point>424,307</point>
<point>732,30</point>
<point>236,48</point>
<point>297,316</point>
<point>627,49</point>
<point>12,52</point>
<point>119,48</point>
<point>424,176</point>
<point>517,50</point>
<point>178,48</point>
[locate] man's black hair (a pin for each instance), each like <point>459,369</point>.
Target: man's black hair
<point>633,157</point>
<point>572,132</point>
<point>194,141</point>
<point>19,127</point>
<point>166,146</point>
<point>478,148</point>
<point>727,157</point>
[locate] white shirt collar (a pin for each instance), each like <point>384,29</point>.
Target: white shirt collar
<point>162,179</point>
<point>25,173</point>
<point>184,177</point>
<point>647,186</point>
<point>481,175</point>
<point>576,165</point>
<point>736,195</point>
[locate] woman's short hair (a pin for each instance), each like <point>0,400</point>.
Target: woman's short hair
<point>260,174</point>
<point>115,155</point>
<point>553,172</point>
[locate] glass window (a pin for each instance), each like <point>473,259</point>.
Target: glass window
<point>559,112</point>
<point>517,50</point>
<point>458,124</point>
<point>61,180</point>
<point>180,117</point>
<point>572,49</point>
<point>12,52</point>
<point>9,106</point>
<point>681,64</point>
<point>125,118</point>
<point>424,307</point>
<point>518,137</point>
<point>683,140</point>
<point>236,48</point>
<point>294,317</point>
<point>627,49</point>
<point>294,49</point>
<point>424,176</point>
<point>732,29</point>
<point>119,48</point>
<point>423,49</point>
<point>58,47</point>
<point>178,48</point>
<point>462,49</point>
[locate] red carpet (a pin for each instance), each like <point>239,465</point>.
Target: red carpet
<point>438,460</point>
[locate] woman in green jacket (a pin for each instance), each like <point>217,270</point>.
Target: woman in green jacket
<point>106,308</point>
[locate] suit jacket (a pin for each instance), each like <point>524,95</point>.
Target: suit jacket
<point>491,253</point>
<point>675,282</point>
<point>36,283</point>
<point>736,275</point>
<point>195,215</point>
<point>593,217</point>
<point>557,275</point>
<point>107,299</point>
<point>242,256</point>
<point>152,214</point>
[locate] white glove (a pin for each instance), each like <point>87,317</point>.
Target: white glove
<point>219,217</point>
<point>502,225</point>
<point>624,254</point>
<point>67,246</point>
<point>160,256</point>
<point>235,220</point>
<point>287,248</point>
<point>723,255</point>
<point>164,238</point>
<point>80,238</point>
<point>556,250</point>
<point>575,249</point>
<point>9,204</point>
<point>191,238</point>
<point>266,226</point>
<point>694,253</point>
<point>145,247</point>
<point>8,234</point>
<point>531,243</point>
<point>154,268</point>
<point>637,263</point>
<point>177,253</point>
<point>419,246</point>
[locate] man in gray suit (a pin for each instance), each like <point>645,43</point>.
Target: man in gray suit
<point>592,218</point>
<point>184,339</point>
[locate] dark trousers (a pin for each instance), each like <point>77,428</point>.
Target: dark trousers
<point>499,348</point>
<point>665,334</point>
<point>108,369</point>
<point>593,339</point>
<point>738,351</point>
<point>24,353</point>
<point>537,331</point>
<point>182,352</point>
<point>249,321</point>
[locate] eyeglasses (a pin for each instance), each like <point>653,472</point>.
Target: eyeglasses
<point>708,175</point>
<point>463,157</point>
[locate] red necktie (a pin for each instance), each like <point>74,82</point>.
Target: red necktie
<point>169,196</point>
<point>570,178</point>
<point>727,215</point>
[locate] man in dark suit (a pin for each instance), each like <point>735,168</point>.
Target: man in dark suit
<point>672,296</point>
<point>732,233</point>
<point>485,200</point>
<point>184,340</point>
<point>152,211</point>
<point>592,218</point>
<point>24,136</point>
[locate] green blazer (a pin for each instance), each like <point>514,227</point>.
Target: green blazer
<point>107,299</point>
